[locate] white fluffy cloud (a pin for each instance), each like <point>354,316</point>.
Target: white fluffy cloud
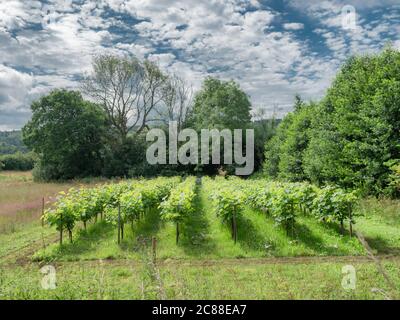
<point>293,26</point>
<point>230,39</point>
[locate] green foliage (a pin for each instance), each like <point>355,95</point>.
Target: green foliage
<point>285,201</point>
<point>393,188</point>
<point>264,130</point>
<point>284,153</point>
<point>18,161</point>
<point>273,148</point>
<point>295,143</point>
<point>180,202</point>
<point>64,214</point>
<point>230,199</point>
<point>360,124</point>
<point>334,205</point>
<point>220,105</point>
<point>348,137</point>
<point>132,198</point>
<point>66,133</point>
<point>11,142</point>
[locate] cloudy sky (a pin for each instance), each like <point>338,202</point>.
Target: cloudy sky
<point>273,48</point>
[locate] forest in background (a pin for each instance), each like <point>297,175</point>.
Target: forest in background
<point>350,138</point>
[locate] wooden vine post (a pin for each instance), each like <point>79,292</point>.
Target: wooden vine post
<point>350,219</point>
<point>61,229</point>
<point>42,212</point>
<point>177,232</point>
<point>154,249</point>
<point>119,223</point>
<point>234,227</point>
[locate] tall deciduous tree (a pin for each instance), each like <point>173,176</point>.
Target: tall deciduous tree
<point>66,132</point>
<point>128,90</point>
<point>361,123</point>
<point>177,97</point>
<point>221,105</point>
<point>351,137</point>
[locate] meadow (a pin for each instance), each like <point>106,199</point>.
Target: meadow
<point>266,262</point>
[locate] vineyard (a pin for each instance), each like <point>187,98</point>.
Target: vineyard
<point>126,206</point>
<point>192,238</point>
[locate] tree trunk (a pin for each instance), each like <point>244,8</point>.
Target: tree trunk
<point>61,229</point>
<point>119,224</point>
<point>154,247</point>
<point>84,225</point>
<point>122,231</point>
<point>292,224</point>
<point>234,228</point>
<point>42,212</point>
<point>70,235</point>
<point>177,232</point>
<point>350,219</point>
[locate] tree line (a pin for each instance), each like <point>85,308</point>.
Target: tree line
<point>351,137</point>
<point>104,134</point>
<point>14,154</point>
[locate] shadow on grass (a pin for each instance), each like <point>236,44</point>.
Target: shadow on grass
<point>141,233</point>
<point>382,245</point>
<point>195,239</point>
<point>303,234</point>
<point>335,226</point>
<point>247,235</point>
<point>86,240</point>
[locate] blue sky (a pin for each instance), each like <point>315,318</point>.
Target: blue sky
<point>274,49</point>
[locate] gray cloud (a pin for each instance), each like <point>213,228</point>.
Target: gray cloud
<point>234,39</point>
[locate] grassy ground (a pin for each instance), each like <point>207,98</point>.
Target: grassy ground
<point>137,280</point>
<point>21,198</point>
<point>23,237</point>
<point>206,264</point>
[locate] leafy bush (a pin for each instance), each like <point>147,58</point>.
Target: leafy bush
<point>393,188</point>
<point>347,137</point>
<point>18,161</point>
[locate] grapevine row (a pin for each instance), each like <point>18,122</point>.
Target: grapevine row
<point>180,203</point>
<point>282,201</point>
<point>118,204</point>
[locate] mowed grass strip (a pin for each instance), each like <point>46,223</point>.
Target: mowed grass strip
<point>137,280</point>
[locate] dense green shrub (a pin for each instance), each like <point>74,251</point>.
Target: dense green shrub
<point>18,161</point>
<point>67,133</point>
<point>347,138</point>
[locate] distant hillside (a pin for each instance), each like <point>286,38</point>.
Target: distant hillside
<point>11,142</point>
